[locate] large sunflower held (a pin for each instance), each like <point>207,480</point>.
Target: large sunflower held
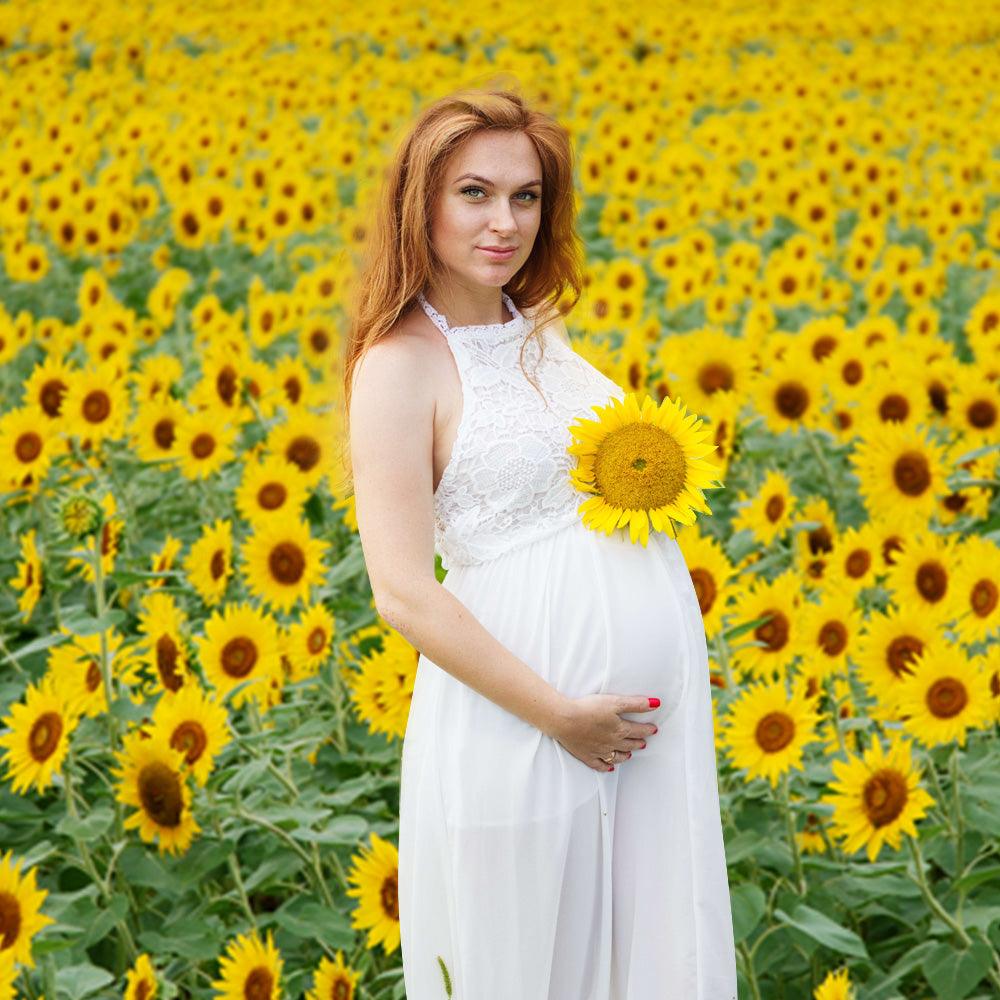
<point>645,464</point>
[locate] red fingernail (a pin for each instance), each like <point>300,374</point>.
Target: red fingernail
<point>612,767</point>
<point>656,730</point>
<point>654,702</point>
<point>643,747</point>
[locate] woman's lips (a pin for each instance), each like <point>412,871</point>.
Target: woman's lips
<point>498,254</point>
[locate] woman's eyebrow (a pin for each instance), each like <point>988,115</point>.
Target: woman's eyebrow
<point>486,180</point>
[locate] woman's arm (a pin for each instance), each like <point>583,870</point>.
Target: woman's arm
<point>392,432</point>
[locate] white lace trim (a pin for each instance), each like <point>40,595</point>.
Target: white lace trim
<point>507,481</point>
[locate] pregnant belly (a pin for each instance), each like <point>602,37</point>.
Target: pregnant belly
<point>592,613</point>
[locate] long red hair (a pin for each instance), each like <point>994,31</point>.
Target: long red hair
<point>398,260</point>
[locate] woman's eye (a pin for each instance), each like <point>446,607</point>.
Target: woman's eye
<point>531,194</point>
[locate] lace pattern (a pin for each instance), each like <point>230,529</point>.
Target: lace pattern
<point>507,481</point>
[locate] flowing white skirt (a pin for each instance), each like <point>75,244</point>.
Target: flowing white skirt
<point>525,874</point>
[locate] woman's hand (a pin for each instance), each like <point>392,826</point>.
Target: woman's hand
<point>591,727</point>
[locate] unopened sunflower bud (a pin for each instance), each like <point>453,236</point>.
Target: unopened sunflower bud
<point>80,515</point>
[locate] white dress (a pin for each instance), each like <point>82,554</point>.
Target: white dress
<point>524,873</point>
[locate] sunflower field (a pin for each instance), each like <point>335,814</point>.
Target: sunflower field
<point>792,222</point>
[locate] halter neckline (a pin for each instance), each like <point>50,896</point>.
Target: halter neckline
<point>510,327</point>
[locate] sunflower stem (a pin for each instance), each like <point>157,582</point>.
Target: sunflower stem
<point>942,798</point>
<point>785,799</point>
<point>929,897</point>
<point>723,651</point>
<point>821,459</point>
<point>105,661</point>
<point>959,825</point>
<point>749,969</point>
<point>234,862</point>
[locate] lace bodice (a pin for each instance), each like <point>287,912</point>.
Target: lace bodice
<point>507,480</point>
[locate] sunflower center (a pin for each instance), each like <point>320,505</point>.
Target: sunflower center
<point>639,467</point>
<point>894,407</point>
<point>984,597</point>
<point>287,563</point>
<point>258,984</point>
<point>774,508</point>
<point>189,737</point>
<point>883,796</point>
<point>833,638</point>
<point>217,565</point>
<point>773,633</point>
<point>238,656</point>
<point>390,897</point>
<point>946,697</point>
<point>911,473</point>
<point>303,451</point>
<point>225,384</point>
<point>166,662</point>
<point>791,400</point>
<point>51,396</point>
<point>96,406</point>
<point>163,433</point>
<point>203,445</point>
<point>28,447</point>
<point>44,735</point>
<point>160,794</point>
<point>982,414</point>
<point>851,372</point>
<point>932,581</point>
<point>774,732</point>
<point>704,588</point>
<point>10,919</point>
<point>316,640</point>
<point>93,676</point>
<point>272,495</point>
<point>715,376</point>
<point>858,563</point>
<point>901,652</point>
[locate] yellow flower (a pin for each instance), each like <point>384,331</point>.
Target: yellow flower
<point>877,797</point>
<point>282,561</point>
<point>644,464</point>
<point>334,980</point>
<point>250,968</point>
<point>140,980</point>
<point>836,986</point>
<point>194,723</point>
<point>20,904</point>
<point>209,562</point>
<point>29,575</point>
<point>152,777</point>
<point>375,880</point>
<point>946,695</point>
<point>765,730</point>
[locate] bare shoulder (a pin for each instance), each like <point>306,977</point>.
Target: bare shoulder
<point>407,350</point>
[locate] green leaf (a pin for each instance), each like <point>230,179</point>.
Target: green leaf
<point>345,829</point>
<point>88,827</point>
<point>821,928</point>
<point>84,625</point>
<point>748,905</point>
<point>954,973</point>
<point>42,642</point>
<point>77,981</point>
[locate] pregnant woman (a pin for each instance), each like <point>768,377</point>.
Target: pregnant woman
<point>559,829</point>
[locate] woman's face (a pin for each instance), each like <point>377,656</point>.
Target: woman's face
<point>499,207</point>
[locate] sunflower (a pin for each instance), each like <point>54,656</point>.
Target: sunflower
<point>974,409</point>
<point>156,375</point>
<point>204,442</point>
<point>894,395</point>
<point>768,513</point>
<point>310,642</point>
<point>765,730</point>
<point>886,651</point>
<point>836,986</point>
<point>162,622</point>
<point>8,967</point>
<point>828,632</point>
<point>711,572</point>
<point>854,560</point>
<point>307,440</point>
<point>46,388</point>
<point>240,645</point>
<point>20,904</point>
<point>375,880</point>
<point>111,534</point>
<point>151,776</point>
<point>28,579</point>
<point>271,488</point>
<point>775,641</point>
<point>38,737</point>
<point>250,968</point>
<point>194,723</point>
<point>946,695</point>
<point>814,544</point>
<point>901,469</point>
<point>809,838</point>
<point>789,395</point>
<point>27,447</point>
<point>922,576</point>
<point>209,563</point>
<point>706,362</point>
<point>140,980</point>
<point>877,797</point>
<point>645,465</point>
<point>153,433</point>
<point>163,561</point>
<point>383,689</point>
<point>334,980</point>
<point>96,405</point>
<point>977,588</point>
<point>282,561</point>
